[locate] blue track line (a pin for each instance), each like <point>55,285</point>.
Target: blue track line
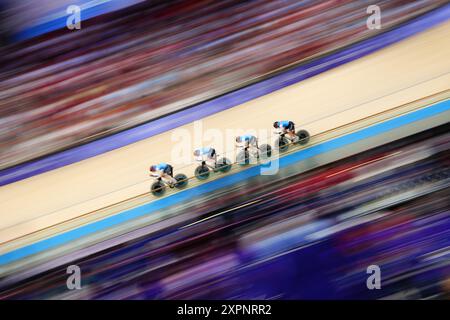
<point>188,194</point>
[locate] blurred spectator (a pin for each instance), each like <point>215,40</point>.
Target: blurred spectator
<point>129,67</point>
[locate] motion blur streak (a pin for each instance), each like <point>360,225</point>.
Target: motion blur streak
<point>314,233</point>
<point>126,68</point>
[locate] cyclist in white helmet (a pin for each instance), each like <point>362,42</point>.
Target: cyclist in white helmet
<point>206,155</point>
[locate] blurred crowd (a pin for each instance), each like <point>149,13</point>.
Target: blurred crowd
<point>128,67</point>
<point>303,236</point>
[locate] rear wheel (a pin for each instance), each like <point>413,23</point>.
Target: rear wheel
<point>303,136</point>
<point>224,165</point>
<point>243,158</point>
<point>282,144</point>
<point>202,172</point>
<point>182,180</point>
<point>158,188</point>
<point>265,151</point>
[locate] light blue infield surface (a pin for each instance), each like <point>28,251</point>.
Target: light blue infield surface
<point>207,187</point>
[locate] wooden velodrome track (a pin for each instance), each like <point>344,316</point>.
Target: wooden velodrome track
<point>397,75</point>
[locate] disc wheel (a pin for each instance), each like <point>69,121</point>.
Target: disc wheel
<point>202,172</point>
<point>182,180</point>
<point>282,143</point>
<point>158,188</point>
<point>224,165</point>
<point>243,158</point>
<point>303,137</point>
<point>265,151</point>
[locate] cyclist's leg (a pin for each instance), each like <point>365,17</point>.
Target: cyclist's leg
<point>212,158</point>
<point>168,178</point>
<point>168,174</point>
<point>293,136</point>
<point>290,130</point>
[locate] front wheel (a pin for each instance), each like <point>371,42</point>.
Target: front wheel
<point>202,172</point>
<point>224,165</point>
<point>182,180</point>
<point>158,188</point>
<point>303,137</point>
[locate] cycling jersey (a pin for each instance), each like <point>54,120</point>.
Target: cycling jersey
<point>164,168</point>
<point>248,138</point>
<point>206,151</point>
<point>286,125</point>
